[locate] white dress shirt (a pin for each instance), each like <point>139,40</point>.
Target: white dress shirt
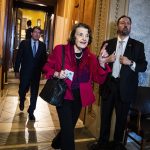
<point>120,52</point>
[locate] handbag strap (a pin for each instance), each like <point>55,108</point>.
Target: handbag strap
<point>63,57</point>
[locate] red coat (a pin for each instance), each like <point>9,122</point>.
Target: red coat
<point>97,74</point>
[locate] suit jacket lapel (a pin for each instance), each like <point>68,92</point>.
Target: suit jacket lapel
<point>128,49</point>
<point>128,53</point>
<point>30,46</point>
<point>38,49</point>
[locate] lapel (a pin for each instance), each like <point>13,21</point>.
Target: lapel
<point>38,49</point>
<point>128,50</point>
<point>30,46</point>
<point>129,54</point>
<point>112,46</point>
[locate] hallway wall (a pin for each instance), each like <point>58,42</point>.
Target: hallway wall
<point>69,12</point>
<point>139,12</point>
<point>2,17</point>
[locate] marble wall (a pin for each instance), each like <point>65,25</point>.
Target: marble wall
<point>139,12</point>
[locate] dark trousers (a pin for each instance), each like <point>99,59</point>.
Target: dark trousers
<point>68,115</point>
<point>121,110</point>
<point>24,86</point>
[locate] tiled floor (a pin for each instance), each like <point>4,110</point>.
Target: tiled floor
<point>18,133</point>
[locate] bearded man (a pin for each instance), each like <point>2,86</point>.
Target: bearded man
<point>127,59</point>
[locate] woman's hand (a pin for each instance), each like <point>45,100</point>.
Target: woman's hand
<point>60,75</point>
<point>103,51</point>
<point>103,56</point>
<point>111,58</point>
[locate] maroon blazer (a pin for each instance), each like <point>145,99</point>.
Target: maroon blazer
<point>97,74</point>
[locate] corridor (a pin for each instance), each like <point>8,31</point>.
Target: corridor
<point>17,133</point>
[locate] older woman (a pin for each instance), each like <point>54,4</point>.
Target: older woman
<point>85,68</point>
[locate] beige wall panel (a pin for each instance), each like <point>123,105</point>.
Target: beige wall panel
<point>60,7</point>
<point>69,10</point>
<point>79,10</point>
<point>72,11</point>
<point>64,21</point>
<point>59,30</point>
<point>89,12</point>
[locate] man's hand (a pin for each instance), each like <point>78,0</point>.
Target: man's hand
<point>124,60</point>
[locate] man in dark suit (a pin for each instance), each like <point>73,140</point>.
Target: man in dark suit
<point>29,30</point>
<point>30,59</point>
<point>126,58</point>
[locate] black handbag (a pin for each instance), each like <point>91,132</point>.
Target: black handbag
<point>54,90</point>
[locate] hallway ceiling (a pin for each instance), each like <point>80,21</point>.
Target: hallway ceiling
<point>41,2</point>
<point>43,5</point>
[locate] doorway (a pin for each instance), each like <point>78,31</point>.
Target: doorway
<point>41,14</point>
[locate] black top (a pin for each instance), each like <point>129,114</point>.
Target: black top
<point>78,57</point>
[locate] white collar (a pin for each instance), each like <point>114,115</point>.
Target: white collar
<point>125,39</point>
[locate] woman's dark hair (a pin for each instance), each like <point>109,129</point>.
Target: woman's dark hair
<point>71,39</point>
<point>124,16</point>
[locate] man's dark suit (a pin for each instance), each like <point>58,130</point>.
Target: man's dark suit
<point>126,89</point>
<point>28,33</point>
<point>30,70</point>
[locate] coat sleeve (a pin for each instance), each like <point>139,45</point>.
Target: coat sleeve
<point>52,61</point>
<point>141,63</point>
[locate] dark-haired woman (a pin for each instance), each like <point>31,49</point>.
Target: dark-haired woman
<point>85,68</point>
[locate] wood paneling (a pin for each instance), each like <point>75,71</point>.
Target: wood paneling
<point>71,11</point>
<point>2,17</point>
